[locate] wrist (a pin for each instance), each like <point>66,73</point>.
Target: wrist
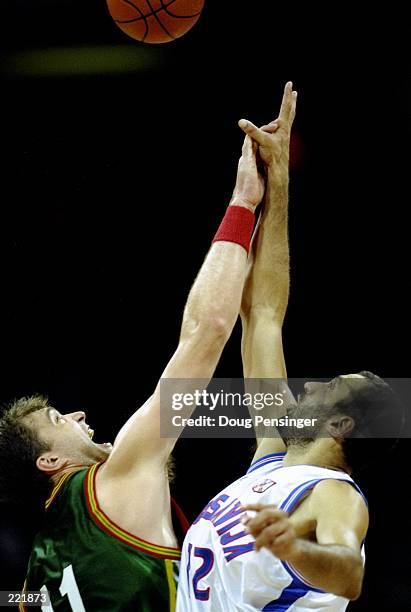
<point>297,551</point>
<point>237,226</point>
<point>278,188</point>
<point>277,195</point>
<point>277,177</point>
<point>243,202</point>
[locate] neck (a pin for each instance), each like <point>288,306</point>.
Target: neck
<point>66,470</point>
<point>324,452</point>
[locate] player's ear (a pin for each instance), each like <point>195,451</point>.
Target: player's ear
<point>49,462</point>
<point>340,426</point>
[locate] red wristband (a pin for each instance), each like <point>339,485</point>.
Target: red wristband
<point>236,226</point>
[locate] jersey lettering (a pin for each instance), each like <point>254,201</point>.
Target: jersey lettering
<point>222,510</point>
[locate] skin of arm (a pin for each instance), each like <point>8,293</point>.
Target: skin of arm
<point>266,290</point>
<point>339,517</point>
<point>209,316</point>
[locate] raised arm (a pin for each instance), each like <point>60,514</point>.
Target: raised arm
<point>266,290</point>
<point>209,317</point>
<point>340,518</point>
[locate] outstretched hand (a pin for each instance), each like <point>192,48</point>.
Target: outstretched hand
<point>250,185</point>
<point>273,139</point>
<point>272,529</point>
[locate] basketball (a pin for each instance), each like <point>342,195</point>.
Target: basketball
<point>155,21</point>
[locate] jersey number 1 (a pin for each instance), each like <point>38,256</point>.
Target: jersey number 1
<point>68,586</point>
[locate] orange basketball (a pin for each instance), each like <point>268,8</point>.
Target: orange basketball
<point>155,21</point>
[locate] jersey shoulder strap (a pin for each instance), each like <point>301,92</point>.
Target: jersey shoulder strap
<point>272,460</point>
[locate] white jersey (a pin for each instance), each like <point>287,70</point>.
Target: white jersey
<point>219,569</point>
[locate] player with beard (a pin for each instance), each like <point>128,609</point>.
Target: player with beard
<point>107,541</point>
<point>289,534</point>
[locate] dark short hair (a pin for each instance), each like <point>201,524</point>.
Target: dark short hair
<point>380,419</point>
<point>375,408</point>
<point>378,415</point>
<point>20,479</point>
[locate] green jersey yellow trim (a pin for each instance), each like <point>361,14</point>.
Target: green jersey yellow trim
<point>171,584</point>
<point>57,488</point>
<point>106,524</point>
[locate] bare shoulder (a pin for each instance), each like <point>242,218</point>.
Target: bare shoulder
<point>338,497</point>
<point>144,477</point>
<point>138,503</point>
<point>334,489</point>
<point>143,487</point>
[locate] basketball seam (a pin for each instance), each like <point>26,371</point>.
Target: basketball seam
<point>163,7</point>
<point>159,21</point>
<point>141,18</point>
<point>166,9</point>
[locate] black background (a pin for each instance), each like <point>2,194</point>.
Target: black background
<point>112,188</point>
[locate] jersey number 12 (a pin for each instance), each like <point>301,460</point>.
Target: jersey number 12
<point>207,556</point>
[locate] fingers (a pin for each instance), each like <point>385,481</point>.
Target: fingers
<point>247,146</point>
<point>271,528</point>
<point>284,120</point>
<point>267,515</point>
<point>272,533</point>
<point>288,104</point>
<point>253,131</point>
<point>257,507</point>
<point>278,544</point>
<point>271,127</point>
<point>249,149</point>
<point>293,108</point>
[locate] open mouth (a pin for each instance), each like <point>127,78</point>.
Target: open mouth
<point>104,445</point>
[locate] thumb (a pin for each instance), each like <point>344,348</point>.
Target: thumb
<point>249,153</point>
<point>271,127</point>
<point>252,130</point>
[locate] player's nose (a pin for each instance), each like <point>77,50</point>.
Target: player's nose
<point>312,386</point>
<point>78,416</point>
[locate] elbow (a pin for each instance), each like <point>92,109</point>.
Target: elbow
<point>215,329</point>
<point>352,592</point>
<point>353,588</point>
<point>212,329</point>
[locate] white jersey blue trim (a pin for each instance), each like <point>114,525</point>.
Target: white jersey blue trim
<point>295,591</point>
<point>271,458</point>
<point>223,572</point>
<point>295,496</point>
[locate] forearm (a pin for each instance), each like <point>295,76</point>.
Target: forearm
<point>263,307</point>
<point>265,373</point>
<point>262,347</point>
<point>214,300</point>
<point>332,568</point>
<point>268,282</point>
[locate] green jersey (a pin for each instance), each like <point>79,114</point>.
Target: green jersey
<point>88,563</point>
